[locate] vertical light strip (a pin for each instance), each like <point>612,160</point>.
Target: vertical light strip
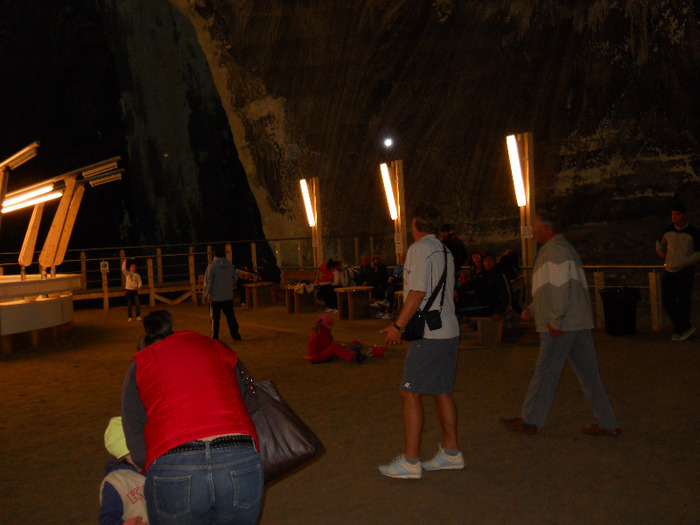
<point>515,170</point>
<point>307,203</point>
<point>391,201</point>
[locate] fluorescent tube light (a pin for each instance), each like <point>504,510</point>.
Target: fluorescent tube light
<point>516,170</point>
<point>389,191</point>
<point>307,203</point>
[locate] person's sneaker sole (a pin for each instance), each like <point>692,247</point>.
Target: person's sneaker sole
<point>399,476</point>
<point>428,466</point>
<point>685,335</point>
<point>401,469</point>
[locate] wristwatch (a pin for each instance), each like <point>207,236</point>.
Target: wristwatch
<point>397,327</point>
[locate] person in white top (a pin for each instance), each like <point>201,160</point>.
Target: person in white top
<point>431,362</point>
<point>132,284</point>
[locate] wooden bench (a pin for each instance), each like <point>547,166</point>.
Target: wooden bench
<point>489,331</point>
<point>353,302</point>
<point>297,299</point>
<point>260,294</point>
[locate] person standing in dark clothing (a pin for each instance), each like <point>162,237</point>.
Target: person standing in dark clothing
<point>678,245</point>
<point>219,280</point>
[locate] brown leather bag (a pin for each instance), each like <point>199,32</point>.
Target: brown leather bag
<point>286,442</point>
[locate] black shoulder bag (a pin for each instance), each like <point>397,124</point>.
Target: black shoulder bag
<point>415,328</point>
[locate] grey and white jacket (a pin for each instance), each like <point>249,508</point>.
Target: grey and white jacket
<point>559,288</point>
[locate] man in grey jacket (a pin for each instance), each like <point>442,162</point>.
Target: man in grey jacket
<point>219,281</point>
<point>563,317</point>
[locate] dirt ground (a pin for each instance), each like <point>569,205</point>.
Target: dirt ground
<point>55,402</point>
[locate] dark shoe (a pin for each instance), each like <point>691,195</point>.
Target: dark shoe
<point>595,430</point>
<point>236,337</point>
<point>516,424</point>
<point>360,358</point>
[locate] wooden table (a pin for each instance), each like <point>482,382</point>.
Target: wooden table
<point>299,302</point>
<point>258,295</point>
<point>353,302</point>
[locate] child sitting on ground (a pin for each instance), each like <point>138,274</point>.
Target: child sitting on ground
<point>323,348</point>
<point>121,493</point>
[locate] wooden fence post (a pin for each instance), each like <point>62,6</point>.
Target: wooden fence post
<point>193,277</point>
<point>657,318</point>
<point>159,264</point>
<point>105,291</point>
<point>598,285</point>
<point>210,257</point>
<point>254,256</point>
<point>122,256</point>
<point>83,270</point>
<point>151,284</point>
<point>229,252</point>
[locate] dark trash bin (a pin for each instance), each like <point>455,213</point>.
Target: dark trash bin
<point>620,308</point>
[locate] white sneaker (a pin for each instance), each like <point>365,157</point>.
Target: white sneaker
<point>685,335</point>
<point>401,469</point>
<point>443,461</point>
<point>138,318</point>
<point>129,319</point>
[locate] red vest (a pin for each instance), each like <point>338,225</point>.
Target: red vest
<point>187,384</point>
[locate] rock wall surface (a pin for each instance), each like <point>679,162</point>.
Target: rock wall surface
<point>608,88</point>
<point>186,182</point>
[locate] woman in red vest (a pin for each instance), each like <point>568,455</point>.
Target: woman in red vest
<point>186,424</point>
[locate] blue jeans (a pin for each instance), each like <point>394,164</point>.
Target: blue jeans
<point>222,485</point>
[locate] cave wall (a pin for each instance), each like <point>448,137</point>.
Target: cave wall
<point>609,89</point>
<point>185,182</point>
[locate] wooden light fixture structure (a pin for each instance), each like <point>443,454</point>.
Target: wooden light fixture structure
<point>311,195</point>
<point>70,188</point>
<point>520,153</point>
<point>392,177</point>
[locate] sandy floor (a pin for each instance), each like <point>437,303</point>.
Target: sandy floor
<point>55,403</point>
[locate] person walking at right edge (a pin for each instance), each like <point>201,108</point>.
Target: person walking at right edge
<point>219,280</point>
<point>678,246</point>
<point>564,319</point>
<point>431,362</point>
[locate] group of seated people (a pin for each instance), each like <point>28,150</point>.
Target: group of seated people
<point>489,287</point>
<point>486,287</point>
<point>371,272</point>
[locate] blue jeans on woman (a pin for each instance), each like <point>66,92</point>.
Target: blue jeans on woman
<point>221,485</point>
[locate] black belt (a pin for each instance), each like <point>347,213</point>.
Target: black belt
<point>222,442</point>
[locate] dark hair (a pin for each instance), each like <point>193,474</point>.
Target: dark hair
<point>220,251</point>
<point>447,228</point>
<point>427,218</point>
<point>679,208</point>
<point>551,220</point>
<point>158,325</point>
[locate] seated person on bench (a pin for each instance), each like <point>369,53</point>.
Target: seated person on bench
<point>486,294</point>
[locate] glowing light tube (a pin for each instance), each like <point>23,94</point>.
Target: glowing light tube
<point>307,203</point>
<point>516,171</point>
<point>32,202</point>
<point>389,192</point>
<point>26,196</point>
